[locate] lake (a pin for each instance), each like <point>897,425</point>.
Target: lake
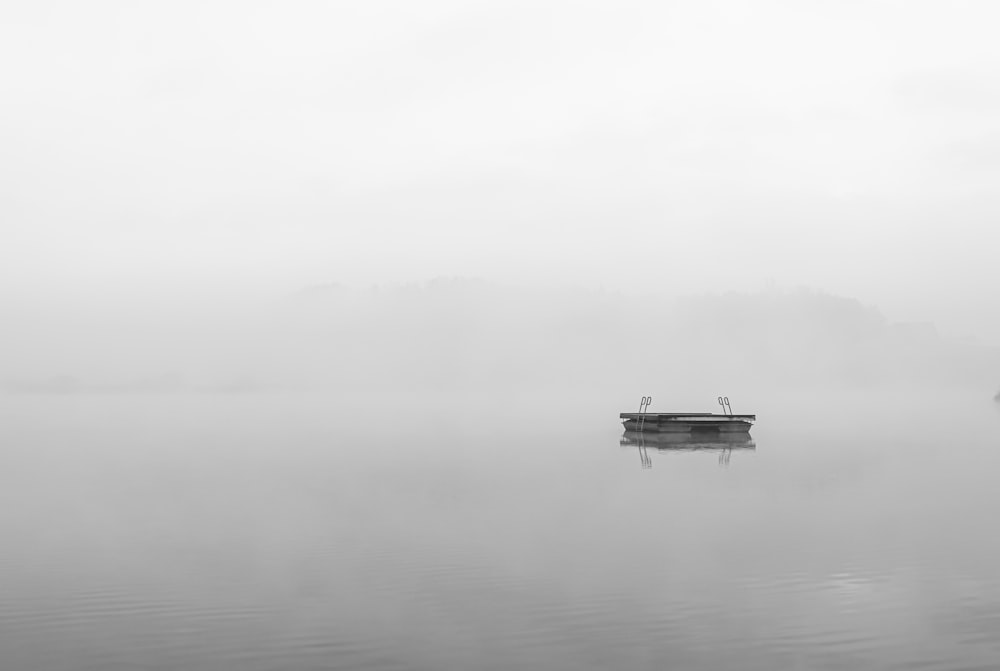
<point>435,531</point>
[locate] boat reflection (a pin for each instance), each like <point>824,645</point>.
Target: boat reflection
<point>722,443</point>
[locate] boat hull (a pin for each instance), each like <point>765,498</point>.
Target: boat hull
<point>687,423</point>
<point>679,441</point>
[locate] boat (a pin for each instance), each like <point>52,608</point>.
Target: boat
<point>687,423</point>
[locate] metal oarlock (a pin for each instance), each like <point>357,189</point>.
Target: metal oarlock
<point>643,407</point>
<point>726,408</point>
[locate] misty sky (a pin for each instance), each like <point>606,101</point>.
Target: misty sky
<point>852,147</point>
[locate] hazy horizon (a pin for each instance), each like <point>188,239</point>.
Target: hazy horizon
<point>452,334</point>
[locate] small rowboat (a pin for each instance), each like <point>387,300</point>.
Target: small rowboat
<point>686,422</point>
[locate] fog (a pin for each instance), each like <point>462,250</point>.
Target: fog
<point>454,334</point>
<point>248,150</point>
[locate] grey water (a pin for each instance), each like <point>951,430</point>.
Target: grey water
<point>317,531</point>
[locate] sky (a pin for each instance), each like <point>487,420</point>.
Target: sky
<point>848,147</point>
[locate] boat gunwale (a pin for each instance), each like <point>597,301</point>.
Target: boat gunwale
<point>684,415</point>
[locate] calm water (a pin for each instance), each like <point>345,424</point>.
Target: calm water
<point>317,532</point>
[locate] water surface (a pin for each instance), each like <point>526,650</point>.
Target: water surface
<point>290,531</point>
